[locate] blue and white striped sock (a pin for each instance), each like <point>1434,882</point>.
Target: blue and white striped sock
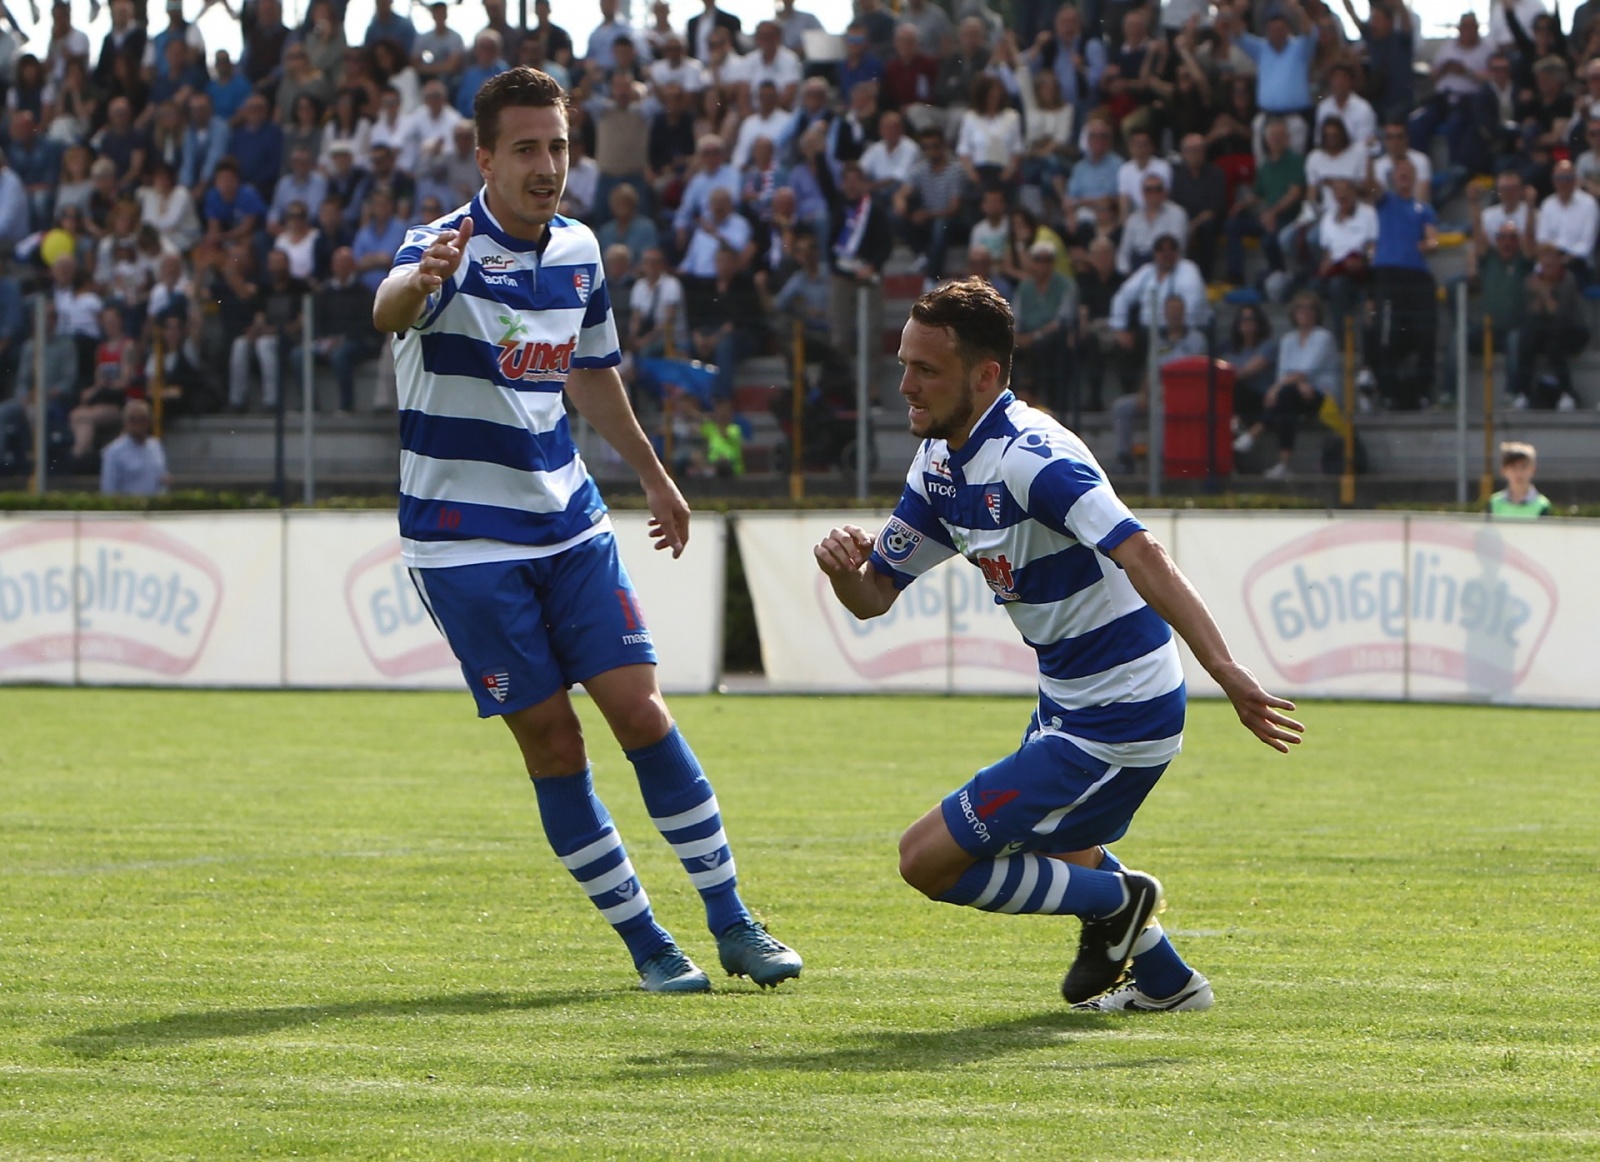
<point>579,829</point>
<point>1157,968</point>
<point>1037,885</point>
<point>684,807</point>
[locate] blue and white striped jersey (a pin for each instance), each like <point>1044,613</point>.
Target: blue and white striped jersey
<point>488,469</point>
<point>1024,500</point>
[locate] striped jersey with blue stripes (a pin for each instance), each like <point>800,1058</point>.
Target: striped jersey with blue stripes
<point>488,469</point>
<point>1025,501</point>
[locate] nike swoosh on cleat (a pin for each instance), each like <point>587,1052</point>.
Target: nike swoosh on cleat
<point>1117,953</point>
<point>1167,1003</point>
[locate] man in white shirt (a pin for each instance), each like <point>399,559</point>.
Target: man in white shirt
<point>767,121</point>
<point>718,228</point>
<point>1396,144</point>
<point>1168,273</point>
<point>430,129</point>
<point>1159,217</point>
<point>1518,205</point>
<point>770,61</point>
<point>1569,220</point>
<point>887,162</point>
<point>656,309</point>
<point>1345,236</point>
<point>676,67</point>
<point>1460,69</point>
<point>1141,162</point>
<point>1343,102</point>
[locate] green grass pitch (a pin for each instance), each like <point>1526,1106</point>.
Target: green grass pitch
<point>240,924</point>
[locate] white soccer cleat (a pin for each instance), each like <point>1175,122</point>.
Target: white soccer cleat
<point>1193,997</point>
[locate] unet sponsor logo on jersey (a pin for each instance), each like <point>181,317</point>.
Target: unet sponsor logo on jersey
<point>122,592</point>
<point>396,633</point>
<point>532,362</point>
<point>1455,602</point>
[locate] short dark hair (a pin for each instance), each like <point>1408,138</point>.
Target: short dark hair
<point>520,87</point>
<point>976,316</point>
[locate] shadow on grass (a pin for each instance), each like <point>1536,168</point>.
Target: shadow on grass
<point>215,1024</point>
<point>895,1051</point>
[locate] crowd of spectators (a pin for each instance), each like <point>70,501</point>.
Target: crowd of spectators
<point>1096,161</point>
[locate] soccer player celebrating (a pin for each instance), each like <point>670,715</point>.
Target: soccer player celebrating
<point>497,308</point>
<point>1097,598</point>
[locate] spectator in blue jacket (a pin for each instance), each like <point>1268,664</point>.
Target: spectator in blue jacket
<point>36,160</point>
<point>228,88</point>
<point>205,143</point>
<point>387,24</point>
<point>487,61</point>
<point>257,145</point>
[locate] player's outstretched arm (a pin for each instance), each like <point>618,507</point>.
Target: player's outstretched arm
<point>1160,582</point>
<point>600,398</point>
<point>404,294</point>
<point>843,556</point>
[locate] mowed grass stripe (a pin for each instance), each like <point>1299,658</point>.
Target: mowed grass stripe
<point>327,924</point>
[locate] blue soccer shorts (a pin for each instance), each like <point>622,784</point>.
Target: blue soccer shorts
<point>1044,798</point>
<point>524,630</point>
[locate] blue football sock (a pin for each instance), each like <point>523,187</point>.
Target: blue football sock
<point>1158,970</point>
<point>684,807</point>
<point>580,831</point>
<point>1037,885</point>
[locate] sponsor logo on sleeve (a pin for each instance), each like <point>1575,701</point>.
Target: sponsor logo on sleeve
<point>898,541</point>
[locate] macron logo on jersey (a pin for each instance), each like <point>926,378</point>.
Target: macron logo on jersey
<point>532,361</point>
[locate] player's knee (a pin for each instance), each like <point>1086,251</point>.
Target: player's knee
<point>640,722</point>
<point>915,868</point>
<point>553,748</point>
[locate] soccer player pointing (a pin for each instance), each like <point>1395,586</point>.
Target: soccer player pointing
<point>497,310</point>
<point>1097,598</point>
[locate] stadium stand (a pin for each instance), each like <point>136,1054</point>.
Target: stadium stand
<point>177,209</point>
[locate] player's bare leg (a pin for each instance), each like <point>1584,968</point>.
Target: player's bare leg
<point>684,808</point>
<point>930,858</point>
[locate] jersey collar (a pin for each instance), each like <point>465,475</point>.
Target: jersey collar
<point>484,219</point>
<point>983,429</point>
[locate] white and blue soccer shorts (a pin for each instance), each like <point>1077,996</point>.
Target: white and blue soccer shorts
<point>524,630</point>
<point>1047,796</point>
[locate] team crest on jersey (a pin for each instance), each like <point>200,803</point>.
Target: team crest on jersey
<point>497,262</point>
<point>580,283</point>
<point>898,541</point>
<point>991,501</point>
<point>498,683</point>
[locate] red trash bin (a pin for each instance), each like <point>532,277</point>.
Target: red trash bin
<point>1194,421</point>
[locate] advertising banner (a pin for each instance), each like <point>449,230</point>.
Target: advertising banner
<point>306,599</point>
<point>1348,606</point>
<point>190,600</point>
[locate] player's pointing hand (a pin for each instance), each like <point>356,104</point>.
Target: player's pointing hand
<point>843,551</point>
<point>441,260</point>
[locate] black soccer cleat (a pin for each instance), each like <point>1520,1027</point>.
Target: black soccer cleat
<point>1105,946</point>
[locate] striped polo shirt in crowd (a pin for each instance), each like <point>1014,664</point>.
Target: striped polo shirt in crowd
<point>488,469</point>
<point>1024,500</point>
